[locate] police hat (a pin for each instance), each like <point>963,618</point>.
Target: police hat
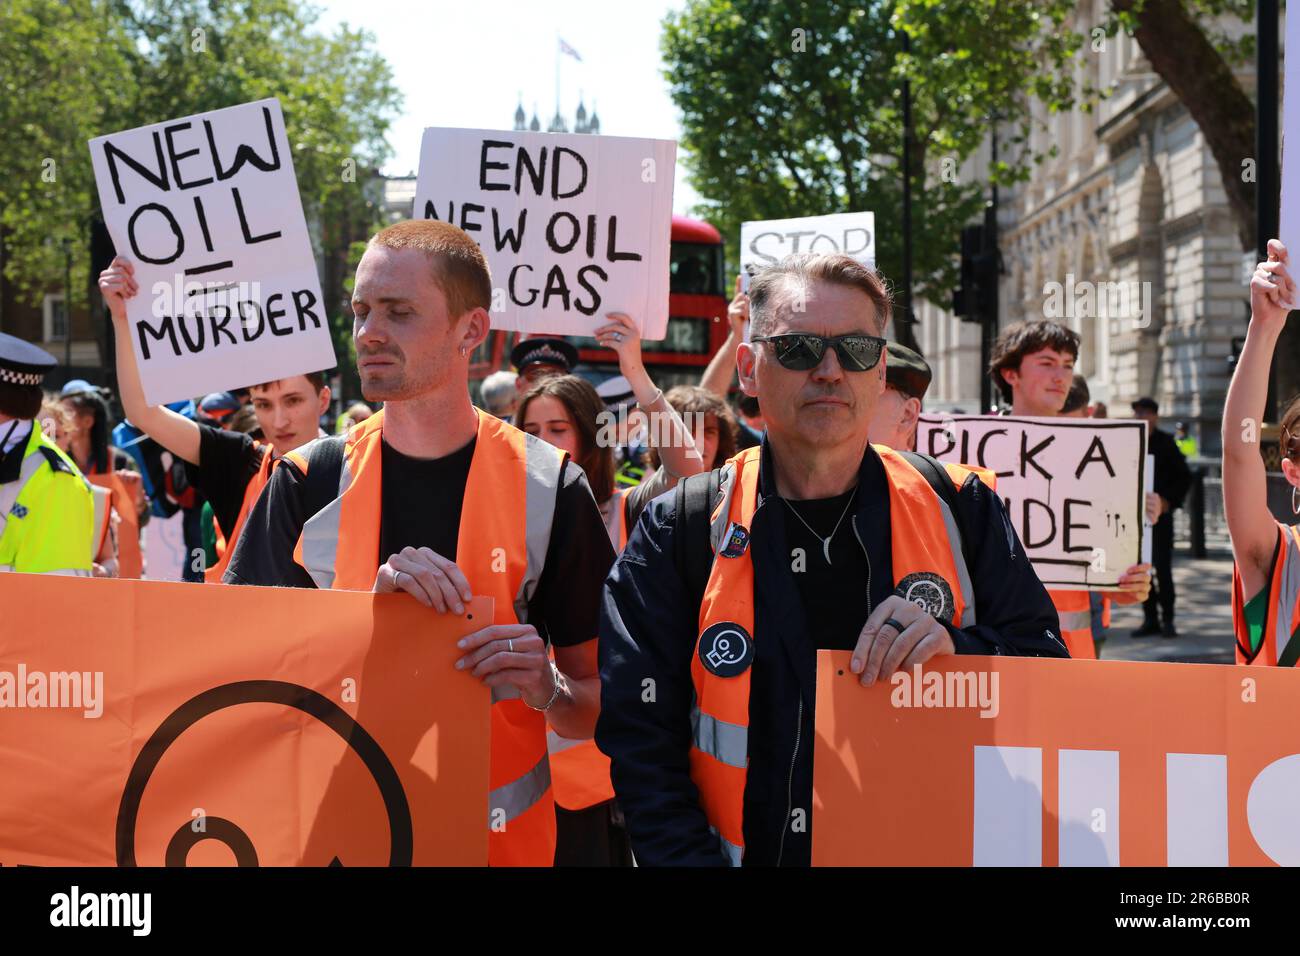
<point>22,363</point>
<point>906,371</point>
<point>616,391</point>
<point>544,351</point>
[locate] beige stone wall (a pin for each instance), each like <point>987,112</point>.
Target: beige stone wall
<point>1133,196</point>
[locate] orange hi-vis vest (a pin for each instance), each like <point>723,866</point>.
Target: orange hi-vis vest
<point>1075,611</point>
<point>507,514</point>
<point>130,559</point>
<point>226,549</point>
<point>928,568</point>
<point>1279,644</point>
<point>579,771</point>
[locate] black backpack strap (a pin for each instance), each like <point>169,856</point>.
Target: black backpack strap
<point>941,482</point>
<point>696,498</point>
<point>324,464</point>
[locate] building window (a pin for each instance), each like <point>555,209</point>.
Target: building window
<point>54,310</point>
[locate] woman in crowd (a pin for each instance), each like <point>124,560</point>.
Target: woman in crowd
<point>57,421</point>
<point>566,411</point>
<point>108,467</point>
<point>1266,574</point>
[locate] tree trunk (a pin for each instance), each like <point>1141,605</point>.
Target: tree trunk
<point>1184,58</point>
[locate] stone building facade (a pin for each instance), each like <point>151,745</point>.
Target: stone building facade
<point>1131,219</point>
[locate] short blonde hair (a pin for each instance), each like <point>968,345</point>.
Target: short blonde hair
<point>459,266</point>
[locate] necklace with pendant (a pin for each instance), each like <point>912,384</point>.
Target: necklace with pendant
<point>826,541</point>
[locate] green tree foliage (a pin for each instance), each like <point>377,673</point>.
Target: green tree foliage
<point>82,68</point>
<point>794,110</point>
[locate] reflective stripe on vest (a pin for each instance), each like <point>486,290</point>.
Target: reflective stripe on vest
<point>925,544</point>
<point>1074,608</point>
<point>252,491</point>
<point>1283,615</point>
<point>507,514</point>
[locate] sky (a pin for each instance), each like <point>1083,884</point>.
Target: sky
<point>467,63</point>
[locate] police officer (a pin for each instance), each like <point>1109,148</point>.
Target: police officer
<point>537,358</point>
<point>47,511</point>
<point>814,539</point>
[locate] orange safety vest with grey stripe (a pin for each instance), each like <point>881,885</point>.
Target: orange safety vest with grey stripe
<point>508,510</point>
<point>928,569</point>
<point>1074,608</point>
<point>579,771</point>
<point>1279,644</point>
<point>253,491</point>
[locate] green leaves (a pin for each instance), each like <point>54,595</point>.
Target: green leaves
<point>772,131</point>
<point>81,68</point>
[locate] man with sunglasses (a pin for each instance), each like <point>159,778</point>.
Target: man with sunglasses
<point>713,616</point>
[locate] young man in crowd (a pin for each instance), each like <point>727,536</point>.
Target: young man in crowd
<point>443,502</point>
<point>230,467</point>
<point>1032,365</point>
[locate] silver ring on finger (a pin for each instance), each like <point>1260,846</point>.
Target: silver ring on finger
<point>396,576</point>
<point>510,643</point>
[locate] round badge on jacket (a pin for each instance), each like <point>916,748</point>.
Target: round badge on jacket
<point>929,592</point>
<point>726,649</point>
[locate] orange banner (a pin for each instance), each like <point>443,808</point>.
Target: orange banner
<point>1014,761</point>
<point>150,723</point>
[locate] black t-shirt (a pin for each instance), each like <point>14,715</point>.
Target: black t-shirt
<point>227,463</point>
<point>422,501</point>
<point>834,595</point>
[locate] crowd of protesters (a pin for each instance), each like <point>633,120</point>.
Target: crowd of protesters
<point>649,533</point>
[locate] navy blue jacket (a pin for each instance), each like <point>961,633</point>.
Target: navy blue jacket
<point>648,635</point>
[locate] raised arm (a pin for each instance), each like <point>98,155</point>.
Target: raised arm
<point>722,367</point>
<point>1250,524</point>
<point>667,432</point>
<point>176,433</point>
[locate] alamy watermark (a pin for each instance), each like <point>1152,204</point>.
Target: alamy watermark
<point>1091,300</point>
<point>956,689</point>
<point>74,690</point>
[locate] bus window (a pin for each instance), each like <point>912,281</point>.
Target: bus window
<point>694,269</point>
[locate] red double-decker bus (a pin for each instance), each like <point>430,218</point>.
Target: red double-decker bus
<point>697,319</point>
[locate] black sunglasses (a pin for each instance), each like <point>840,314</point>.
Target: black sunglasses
<point>801,351</point>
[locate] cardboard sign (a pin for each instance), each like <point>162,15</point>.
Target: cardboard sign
<point>327,726</point>
<point>1289,214</point>
<point>573,226</point>
<point>207,210</point>
<point>1073,488</point>
<point>763,243</point>
<point>997,761</point>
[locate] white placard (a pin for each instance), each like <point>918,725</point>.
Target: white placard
<point>206,207</point>
<point>573,226</point>
<point>763,243</point>
<point>165,555</point>
<point>1073,487</point>
<point>1289,215</point>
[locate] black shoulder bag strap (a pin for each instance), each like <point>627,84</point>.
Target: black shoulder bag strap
<point>324,463</point>
<point>941,482</point>
<point>696,498</point>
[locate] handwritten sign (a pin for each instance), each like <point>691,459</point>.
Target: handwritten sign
<point>207,209</point>
<point>766,242</point>
<point>573,226</point>
<point>1073,488</point>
